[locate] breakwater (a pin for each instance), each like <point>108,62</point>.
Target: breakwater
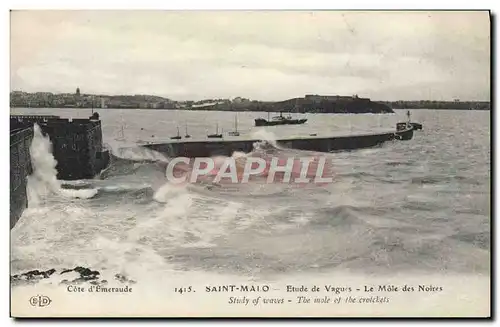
<point>76,143</point>
<point>223,147</point>
<point>76,146</point>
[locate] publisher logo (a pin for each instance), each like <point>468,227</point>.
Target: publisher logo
<point>40,301</point>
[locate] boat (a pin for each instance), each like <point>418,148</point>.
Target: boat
<point>122,132</point>
<point>122,135</point>
<point>178,136</point>
<point>187,135</point>
<point>216,135</point>
<point>235,132</point>
<point>279,120</point>
<point>416,126</point>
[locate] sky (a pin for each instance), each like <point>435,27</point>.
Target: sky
<point>261,55</point>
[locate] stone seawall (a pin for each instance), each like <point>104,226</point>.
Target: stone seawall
<point>77,144</point>
<point>20,168</point>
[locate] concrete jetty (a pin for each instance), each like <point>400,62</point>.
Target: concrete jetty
<point>207,148</point>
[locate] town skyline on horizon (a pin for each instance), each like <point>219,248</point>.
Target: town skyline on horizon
<point>264,56</point>
<point>105,94</point>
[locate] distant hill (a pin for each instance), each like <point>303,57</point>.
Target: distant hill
<point>309,103</point>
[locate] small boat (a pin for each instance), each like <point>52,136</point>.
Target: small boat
<point>178,137</point>
<point>122,132</point>
<point>187,135</point>
<point>216,135</point>
<point>122,135</point>
<point>279,120</point>
<point>415,126</point>
<point>235,132</point>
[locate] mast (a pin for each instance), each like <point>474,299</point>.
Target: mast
<point>236,122</point>
<point>408,122</point>
<point>123,122</point>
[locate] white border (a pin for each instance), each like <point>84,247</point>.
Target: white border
<point>200,5</point>
<point>255,5</point>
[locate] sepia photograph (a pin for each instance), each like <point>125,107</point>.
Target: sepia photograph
<point>250,163</point>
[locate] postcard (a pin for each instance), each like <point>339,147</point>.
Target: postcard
<point>250,163</point>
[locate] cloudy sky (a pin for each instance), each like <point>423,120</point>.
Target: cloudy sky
<point>260,55</point>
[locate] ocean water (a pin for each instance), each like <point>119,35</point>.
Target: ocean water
<point>407,209</point>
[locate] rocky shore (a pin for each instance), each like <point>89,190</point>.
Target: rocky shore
<point>77,275</point>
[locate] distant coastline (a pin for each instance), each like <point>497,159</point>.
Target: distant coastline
<point>439,105</point>
<point>308,103</point>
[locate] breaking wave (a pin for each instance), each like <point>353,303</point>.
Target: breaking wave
<point>43,181</point>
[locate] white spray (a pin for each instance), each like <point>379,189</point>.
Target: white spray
<point>266,136</point>
<point>139,154</point>
<point>43,182</point>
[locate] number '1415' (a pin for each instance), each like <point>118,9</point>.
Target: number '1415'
<point>183,289</point>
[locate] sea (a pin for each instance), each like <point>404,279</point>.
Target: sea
<point>407,213</point>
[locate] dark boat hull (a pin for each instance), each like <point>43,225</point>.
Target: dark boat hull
<point>263,122</point>
<point>416,126</point>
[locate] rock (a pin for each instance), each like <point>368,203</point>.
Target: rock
<point>33,275</point>
<point>86,275</point>
<point>120,278</point>
<point>83,271</point>
<point>48,273</point>
<point>123,279</point>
